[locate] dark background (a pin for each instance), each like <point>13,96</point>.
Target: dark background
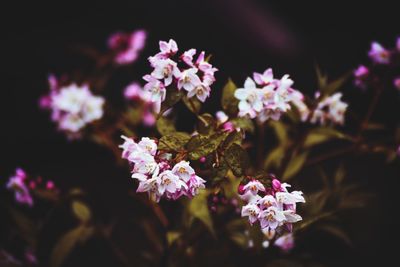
<point>243,36</point>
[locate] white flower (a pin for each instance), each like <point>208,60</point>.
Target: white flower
<point>194,184</point>
<point>183,170</point>
<point>379,54</point>
<point>290,198</point>
<point>148,145</point>
<point>249,99</point>
<point>189,79</point>
<point>330,109</point>
<point>167,181</point>
<point>71,123</point>
<point>144,163</point>
<point>187,57</point>
<point>272,217</point>
<point>252,211</point>
<point>267,201</point>
<point>71,98</point>
<point>157,91</point>
<point>169,48</point>
<point>201,91</point>
<point>253,187</point>
<point>93,109</point>
<point>165,69</point>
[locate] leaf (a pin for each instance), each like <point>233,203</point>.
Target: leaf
<point>280,131</point>
<point>337,232</point>
<point>323,134</point>
<point>198,208</point>
<point>228,101</point>
<point>173,96</point>
<point>232,138</point>
<point>174,142</point>
<point>245,124</point>
<point>68,242</point>
<point>172,236</point>
<point>295,165</point>
<point>219,173</point>
<point>165,126</point>
<point>200,145</point>
<point>26,226</point>
<point>275,157</point>
<point>206,124</point>
<point>81,211</point>
<point>237,159</point>
<point>193,104</point>
<point>335,85</point>
<point>322,79</point>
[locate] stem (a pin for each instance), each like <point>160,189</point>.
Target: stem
<point>332,154</point>
<point>260,144</point>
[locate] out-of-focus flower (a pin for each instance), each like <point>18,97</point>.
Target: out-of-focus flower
<point>195,77</point>
<point>271,99</point>
<point>398,43</point>
<point>285,242</point>
<point>330,109</point>
<point>379,54</point>
<point>221,116</point>
<point>127,46</point>
<point>72,107</point>
<point>157,91</point>
<point>361,74</point>
<point>396,83</point>
<point>156,172</point>
<point>274,207</point>
<point>17,183</point>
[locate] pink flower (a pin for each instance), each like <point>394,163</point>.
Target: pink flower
<point>183,170</point>
<point>194,184</point>
<point>189,80</point>
<point>252,211</point>
<point>157,91</point>
<point>201,91</point>
<point>133,91</point>
<point>264,79</point>
<point>221,116</point>
<point>398,43</point>
<point>285,242</point>
<point>168,49</point>
<point>167,181</point>
<point>361,74</point>
<point>127,46</point>
<point>272,217</point>
<point>396,83</point>
<point>253,187</point>
<point>379,54</point>
<point>187,57</point>
<point>17,184</point>
<point>165,69</point>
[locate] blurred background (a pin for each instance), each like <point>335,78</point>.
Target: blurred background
<point>243,36</point>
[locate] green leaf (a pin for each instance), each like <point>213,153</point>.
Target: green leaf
<point>245,124</point>
<point>200,145</point>
<point>193,104</point>
<point>81,211</point>
<point>173,96</point>
<point>228,101</point>
<point>275,157</point>
<point>172,236</point>
<point>206,124</point>
<point>280,131</point>
<point>165,126</point>
<point>335,85</point>
<point>237,159</point>
<point>219,172</point>
<point>68,242</point>
<point>323,134</point>
<point>295,165</point>
<point>198,208</point>
<point>232,138</point>
<point>174,142</point>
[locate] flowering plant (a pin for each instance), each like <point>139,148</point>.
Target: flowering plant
<point>218,179</point>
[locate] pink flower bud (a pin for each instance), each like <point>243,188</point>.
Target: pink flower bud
<point>396,83</point>
<point>276,185</point>
<point>50,185</point>
<point>241,189</point>
<point>32,184</point>
<point>203,159</point>
<point>228,126</point>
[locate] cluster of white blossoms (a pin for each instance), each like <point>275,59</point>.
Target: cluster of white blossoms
<point>274,208</point>
<point>330,109</point>
<point>72,107</point>
<point>264,97</point>
<point>195,77</point>
<point>156,173</point>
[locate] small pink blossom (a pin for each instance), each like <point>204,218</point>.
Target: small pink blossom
<point>398,43</point>
<point>265,78</point>
<point>396,83</point>
<point>18,185</point>
<point>379,54</point>
<point>361,74</point>
<point>285,242</point>
<point>253,187</point>
<point>127,46</point>
<point>133,91</point>
<point>251,211</point>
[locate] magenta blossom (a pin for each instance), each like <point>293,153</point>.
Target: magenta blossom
<point>285,242</point>
<point>127,46</point>
<point>17,183</point>
<point>396,83</point>
<point>379,54</point>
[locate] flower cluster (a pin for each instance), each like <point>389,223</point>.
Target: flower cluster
<point>156,173</point>
<point>127,46</point>
<point>265,97</point>
<point>330,109</point>
<point>383,61</point>
<point>136,93</point>
<point>195,77</point>
<point>22,185</point>
<point>72,107</point>
<point>274,208</point>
